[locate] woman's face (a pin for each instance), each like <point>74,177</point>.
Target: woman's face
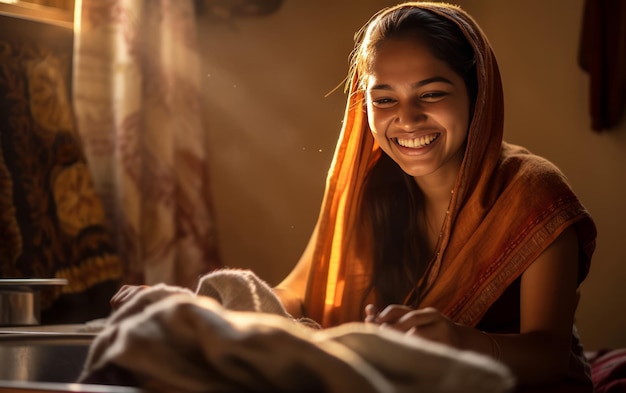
<point>418,109</point>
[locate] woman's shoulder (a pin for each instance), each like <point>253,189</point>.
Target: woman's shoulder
<point>531,182</point>
<point>519,164</point>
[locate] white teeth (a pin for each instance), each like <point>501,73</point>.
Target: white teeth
<point>416,143</point>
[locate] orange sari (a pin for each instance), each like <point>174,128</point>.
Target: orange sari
<point>507,207</point>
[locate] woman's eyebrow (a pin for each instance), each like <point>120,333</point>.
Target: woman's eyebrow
<point>415,85</point>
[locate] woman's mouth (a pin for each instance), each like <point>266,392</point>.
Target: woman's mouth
<point>417,143</point>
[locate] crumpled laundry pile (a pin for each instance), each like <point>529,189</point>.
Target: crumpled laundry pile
<point>233,335</point>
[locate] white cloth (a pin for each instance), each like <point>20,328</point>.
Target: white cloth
<point>171,340</point>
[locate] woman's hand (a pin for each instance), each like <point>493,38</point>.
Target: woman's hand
<point>427,323</point>
<point>125,293</point>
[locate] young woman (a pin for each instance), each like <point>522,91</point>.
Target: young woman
<point>434,226</point>
<point>430,223</point>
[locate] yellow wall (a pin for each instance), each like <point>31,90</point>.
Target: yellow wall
<point>273,132</point>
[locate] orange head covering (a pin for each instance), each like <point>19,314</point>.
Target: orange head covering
<point>507,207</point>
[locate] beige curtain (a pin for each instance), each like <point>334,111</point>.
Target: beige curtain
<point>137,97</point>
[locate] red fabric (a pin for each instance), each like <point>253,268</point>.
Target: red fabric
<point>608,371</point>
<point>602,54</point>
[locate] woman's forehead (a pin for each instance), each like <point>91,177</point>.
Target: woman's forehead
<point>395,59</point>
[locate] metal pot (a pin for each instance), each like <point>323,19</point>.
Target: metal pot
<point>19,300</point>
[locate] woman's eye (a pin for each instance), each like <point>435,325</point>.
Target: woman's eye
<point>383,102</point>
<point>433,96</point>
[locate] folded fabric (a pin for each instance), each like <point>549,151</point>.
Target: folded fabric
<point>184,342</point>
<point>243,290</point>
<point>240,290</point>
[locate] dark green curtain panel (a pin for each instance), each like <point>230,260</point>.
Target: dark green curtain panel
<point>52,223</point>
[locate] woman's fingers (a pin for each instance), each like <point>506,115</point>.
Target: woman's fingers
<point>125,293</point>
<point>427,323</point>
<point>417,319</point>
<point>371,313</point>
<point>392,313</point>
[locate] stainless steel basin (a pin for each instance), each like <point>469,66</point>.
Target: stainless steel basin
<point>47,359</point>
<point>43,357</point>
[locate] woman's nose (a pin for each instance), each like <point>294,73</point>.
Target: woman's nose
<point>409,115</point>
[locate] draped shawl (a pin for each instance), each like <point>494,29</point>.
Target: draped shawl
<point>506,208</point>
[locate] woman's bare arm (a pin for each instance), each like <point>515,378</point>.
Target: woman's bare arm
<point>292,290</point>
<point>548,303</point>
<point>540,353</point>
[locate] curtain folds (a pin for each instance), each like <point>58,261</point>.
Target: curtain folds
<point>138,105</point>
<point>52,223</point>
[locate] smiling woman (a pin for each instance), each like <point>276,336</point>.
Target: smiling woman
<point>434,226</point>
<point>415,107</point>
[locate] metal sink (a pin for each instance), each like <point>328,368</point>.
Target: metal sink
<point>43,357</point>
<point>46,359</point>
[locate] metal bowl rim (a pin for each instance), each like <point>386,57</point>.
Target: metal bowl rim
<point>31,282</point>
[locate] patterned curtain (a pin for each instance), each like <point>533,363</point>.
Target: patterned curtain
<point>52,223</point>
<point>137,99</point>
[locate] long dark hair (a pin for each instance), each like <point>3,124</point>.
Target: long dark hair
<point>391,200</point>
